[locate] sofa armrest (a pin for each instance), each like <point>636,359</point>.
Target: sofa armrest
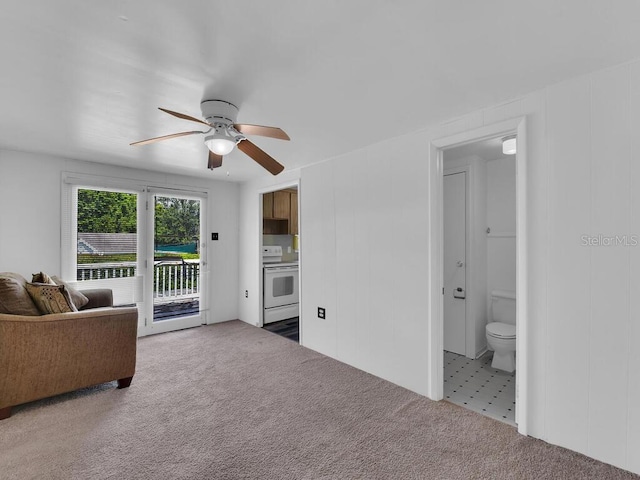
<point>98,297</point>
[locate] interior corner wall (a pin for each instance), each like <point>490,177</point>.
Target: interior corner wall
<point>30,222</point>
<point>583,175</point>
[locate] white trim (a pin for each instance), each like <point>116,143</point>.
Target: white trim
<point>117,183</point>
<point>435,325</point>
<point>104,183</point>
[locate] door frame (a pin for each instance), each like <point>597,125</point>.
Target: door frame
<point>435,383</point>
<point>149,327</point>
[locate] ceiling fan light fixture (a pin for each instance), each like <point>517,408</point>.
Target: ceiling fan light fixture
<point>509,145</point>
<point>220,144</point>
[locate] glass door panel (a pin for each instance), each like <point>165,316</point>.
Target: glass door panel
<point>177,278</point>
<point>107,233</point>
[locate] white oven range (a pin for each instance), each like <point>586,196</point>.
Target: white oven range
<point>281,286</point>
<point>281,292</point>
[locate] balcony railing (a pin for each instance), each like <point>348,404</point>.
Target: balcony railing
<point>172,280</point>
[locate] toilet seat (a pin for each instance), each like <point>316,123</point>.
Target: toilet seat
<point>501,330</point>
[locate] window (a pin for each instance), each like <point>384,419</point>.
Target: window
<point>107,238</point>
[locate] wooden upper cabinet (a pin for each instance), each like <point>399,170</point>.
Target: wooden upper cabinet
<point>267,205</point>
<point>280,213</point>
<point>281,204</point>
<point>293,218</point>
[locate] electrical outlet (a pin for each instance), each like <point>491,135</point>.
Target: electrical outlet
<point>246,294</point>
<point>321,313</point>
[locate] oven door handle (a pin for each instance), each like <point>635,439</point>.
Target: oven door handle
<point>280,269</point>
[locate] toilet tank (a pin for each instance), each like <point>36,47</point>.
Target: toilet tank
<point>503,306</point>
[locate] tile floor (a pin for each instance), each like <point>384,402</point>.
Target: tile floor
<point>473,384</point>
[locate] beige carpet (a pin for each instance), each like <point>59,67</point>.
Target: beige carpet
<point>232,401</point>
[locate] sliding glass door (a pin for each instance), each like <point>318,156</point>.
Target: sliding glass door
<point>144,243</point>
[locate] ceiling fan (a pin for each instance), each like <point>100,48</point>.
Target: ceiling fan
<point>224,134</point>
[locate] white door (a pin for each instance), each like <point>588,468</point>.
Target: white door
<point>454,208</point>
<point>175,262</point>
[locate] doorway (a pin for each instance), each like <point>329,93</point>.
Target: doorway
<point>435,274</point>
<point>479,264</point>
<point>279,266</point>
<point>174,289</point>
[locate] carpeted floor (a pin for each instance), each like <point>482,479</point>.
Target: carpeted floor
<point>232,401</point>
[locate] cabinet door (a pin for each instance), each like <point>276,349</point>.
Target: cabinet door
<point>281,204</point>
<point>293,222</point>
<point>267,205</point>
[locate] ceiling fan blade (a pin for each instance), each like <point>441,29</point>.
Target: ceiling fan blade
<point>260,156</point>
<point>215,160</point>
<point>183,116</point>
<point>165,137</point>
<point>273,132</point>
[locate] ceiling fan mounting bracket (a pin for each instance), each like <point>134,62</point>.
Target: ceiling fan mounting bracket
<point>219,112</point>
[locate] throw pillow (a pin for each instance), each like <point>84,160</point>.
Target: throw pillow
<point>42,277</point>
<point>77,297</point>
<point>14,298</point>
<point>50,298</point>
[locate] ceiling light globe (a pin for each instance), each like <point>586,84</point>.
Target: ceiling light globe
<point>219,144</point>
<point>509,145</point>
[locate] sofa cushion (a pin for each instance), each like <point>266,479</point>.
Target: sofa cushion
<point>50,298</point>
<point>42,277</point>
<point>77,297</point>
<point>98,297</point>
<point>14,298</point>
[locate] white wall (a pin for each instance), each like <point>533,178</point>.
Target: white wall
<point>583,175</point>
<point>364,258</point>
<point>30,223</point>
<point>501,219</point>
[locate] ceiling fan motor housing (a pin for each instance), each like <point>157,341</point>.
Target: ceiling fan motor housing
<point>219,112</point>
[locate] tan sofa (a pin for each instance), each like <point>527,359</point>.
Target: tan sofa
<point>45,355</point>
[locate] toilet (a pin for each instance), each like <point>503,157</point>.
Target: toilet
<point>501,331</point>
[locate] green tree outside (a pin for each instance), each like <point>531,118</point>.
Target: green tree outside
<point>177,221</point>
<point>106,212</point>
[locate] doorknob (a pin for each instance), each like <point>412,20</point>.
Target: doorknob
<point>459,293</point>
<point>460,263</point>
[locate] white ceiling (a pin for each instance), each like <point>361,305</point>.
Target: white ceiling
<point>489,149</point>
<point>82,79</point>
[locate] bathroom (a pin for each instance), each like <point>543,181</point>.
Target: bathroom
<point>479,267</point>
